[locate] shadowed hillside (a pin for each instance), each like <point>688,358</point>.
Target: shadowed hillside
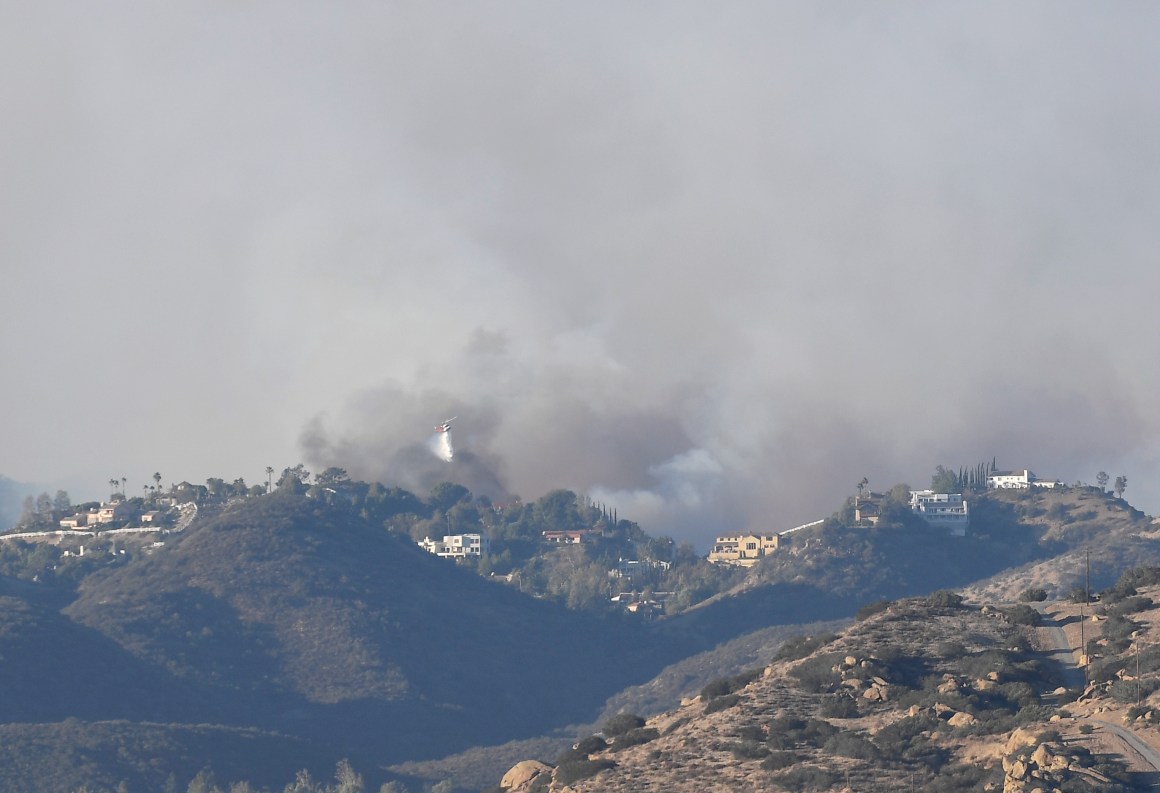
<point>293,616</point>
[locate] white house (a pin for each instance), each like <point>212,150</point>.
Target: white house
<point>948,510</point>
<point>457,546</point>
<point>1017,480</point>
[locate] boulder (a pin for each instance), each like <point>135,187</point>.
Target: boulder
<point>522,773</point>
<point>1019,739</point>
<point>1015,769</point>
<point>961,719</point>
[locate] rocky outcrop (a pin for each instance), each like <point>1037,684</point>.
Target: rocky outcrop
<point>1047,767</point>
<point>522,774</point>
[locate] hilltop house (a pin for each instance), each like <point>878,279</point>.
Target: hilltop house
<point>745,549</point>
<point>1017,480</point>
<point>112,512</point>
<point>457,546</point>
<point>77,521</point>
<point>948,510</point>
<point>574,537</point>
<point>868,508</point>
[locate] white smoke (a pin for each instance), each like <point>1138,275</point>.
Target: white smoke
<point>440,446</point>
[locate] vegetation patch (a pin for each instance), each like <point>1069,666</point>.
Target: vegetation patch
<point>800,646</point>
<point>575,770</point>
<point>722,703</point>
<point>635,737</point>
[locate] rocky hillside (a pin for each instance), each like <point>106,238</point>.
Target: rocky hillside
<point>925,695</point>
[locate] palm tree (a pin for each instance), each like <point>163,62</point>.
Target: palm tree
<point>112,488</point>
<point>124,485</point>
<point>157,479</point>
<point>269,478</point>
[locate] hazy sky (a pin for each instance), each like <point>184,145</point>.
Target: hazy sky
<point>711,262</point>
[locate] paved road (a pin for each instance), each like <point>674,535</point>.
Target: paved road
<point>1149,754</point>
<point>1062,653</point>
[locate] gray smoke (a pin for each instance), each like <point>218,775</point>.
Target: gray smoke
<point>711,264</point>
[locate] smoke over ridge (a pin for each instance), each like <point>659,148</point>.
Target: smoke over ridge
<point>711,265</point>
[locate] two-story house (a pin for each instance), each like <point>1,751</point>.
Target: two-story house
<point>744,549</point>
<point>457,546</point>
<point>946,510</point>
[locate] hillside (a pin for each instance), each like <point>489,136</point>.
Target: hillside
<point>288,616</point>
<point>74,755</point>
<point>828,571</point>
<point>285,614</point>
<point>1076,527</point>
<point>926,695</point>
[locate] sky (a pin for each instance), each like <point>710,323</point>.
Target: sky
<point>708,263</point>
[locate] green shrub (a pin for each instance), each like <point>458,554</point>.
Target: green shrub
<point>749,750</point>
<point>727,685</point>
<point>716,688</point>
<point>591,745</point>
<point>775,761</point>
<point>1129,605</point>
<point>620,724</point>
<point>575,770</point>
<point>635,737</point>
<point>839,707</point>
<point>750,732</point>
<point>1023,615</point>
<point>1033,595</point>
<point>721,703</point>
<point>800,646</point>
<point>850,744</point>
<point>807,777</point>
<point>817,674</point>
<point>944,599</point>
<point>870,609</point>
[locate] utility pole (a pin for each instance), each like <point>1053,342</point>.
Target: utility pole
<point>1137,670</point>
<point>1082,646</point>
<point>1087,574</point>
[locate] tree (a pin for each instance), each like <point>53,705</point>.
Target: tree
<point>61,503</point>
<point>27,510</point>
<point>332,476</point>
<point>1102,480</point>
<point>293,480</point>
<point>445,495</point>
<point>157,479</point>
<point>557,511</point>
<point>1121,485</point>
<point>269,478</point>
<point>862,486</point>
<point>944,481</point>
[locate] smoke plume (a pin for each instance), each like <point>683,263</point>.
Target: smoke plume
<point>711,265</point>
